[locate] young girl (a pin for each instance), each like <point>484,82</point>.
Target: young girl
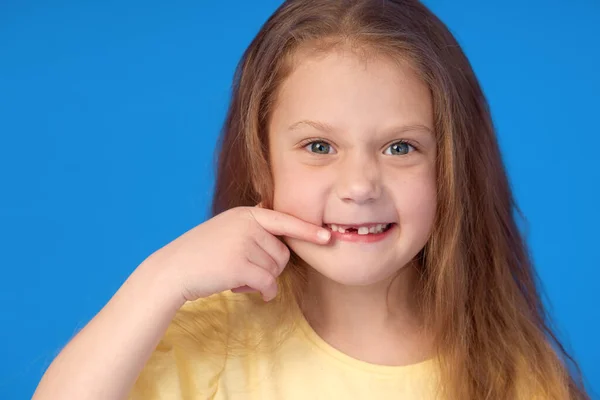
<point>364,224</point>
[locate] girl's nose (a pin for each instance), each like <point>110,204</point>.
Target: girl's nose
<point>358,180</point>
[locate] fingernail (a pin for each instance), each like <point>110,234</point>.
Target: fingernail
<point>324,235</point>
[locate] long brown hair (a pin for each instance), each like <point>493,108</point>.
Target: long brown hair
<point>479,291</point>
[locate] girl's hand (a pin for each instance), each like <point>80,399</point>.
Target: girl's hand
<point>237,249</point>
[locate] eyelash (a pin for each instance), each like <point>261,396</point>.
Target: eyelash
<point>307,142</point>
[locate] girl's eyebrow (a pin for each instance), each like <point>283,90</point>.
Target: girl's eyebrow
<point>320,126</point>
<point>324,127</point>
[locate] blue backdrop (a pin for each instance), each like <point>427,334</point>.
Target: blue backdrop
<point>109,113</point>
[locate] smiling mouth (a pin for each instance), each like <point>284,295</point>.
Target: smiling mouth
<point>366,229</point>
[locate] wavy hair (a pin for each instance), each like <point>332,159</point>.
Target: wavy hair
<point>479,291</point>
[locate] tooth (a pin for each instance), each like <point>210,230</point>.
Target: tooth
<point>334,227</point>
<point>372,229</point>
<point>363,230</point>
<point>341,230</point>
<point>380,227</point>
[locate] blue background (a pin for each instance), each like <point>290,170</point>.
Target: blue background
<point>109,113</point>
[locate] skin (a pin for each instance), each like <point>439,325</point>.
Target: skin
<point>358,108</point>
<point>235,249</point>
<point>364,303</point>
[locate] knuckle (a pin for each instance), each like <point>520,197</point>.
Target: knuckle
<point>247,243</point>
<point>285,251</point>
<point>255,229</point>
<point>284,254</point>
<point>268,280</point>
<point>274,267</point>
<point>246,255</point>
<point>240,268</point>
<point>248,212</point>
<point>251,226</point>
<point>242,215</point>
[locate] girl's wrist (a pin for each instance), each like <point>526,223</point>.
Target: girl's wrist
<point>156,284</point>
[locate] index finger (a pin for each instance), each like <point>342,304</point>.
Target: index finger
<point>281,224</point>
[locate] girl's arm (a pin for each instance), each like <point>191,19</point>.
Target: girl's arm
<point>237,249</point>
<point>105,358</point>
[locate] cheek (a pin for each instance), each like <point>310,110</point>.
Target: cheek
<point>416,200</point>
<point>300,192</point>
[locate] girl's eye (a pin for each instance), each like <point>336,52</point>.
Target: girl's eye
<point>319,147</point>
<point>399,148</point>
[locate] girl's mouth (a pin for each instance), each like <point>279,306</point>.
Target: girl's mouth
<point>365,233</point>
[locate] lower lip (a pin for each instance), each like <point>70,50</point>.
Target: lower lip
<point>369,238</point>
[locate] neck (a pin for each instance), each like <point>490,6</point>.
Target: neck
<point>349,316</point>
<point>381,304</point>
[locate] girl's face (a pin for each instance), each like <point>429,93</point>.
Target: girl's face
<point>352,144</point>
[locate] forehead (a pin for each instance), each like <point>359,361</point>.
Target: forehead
<point>349,90</point>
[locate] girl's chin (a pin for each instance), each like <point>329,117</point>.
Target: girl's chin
<point>351,275</point>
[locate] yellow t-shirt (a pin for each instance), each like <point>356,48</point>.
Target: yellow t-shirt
<point>190,364</point>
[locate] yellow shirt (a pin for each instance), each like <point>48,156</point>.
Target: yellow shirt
<point>303,366</point>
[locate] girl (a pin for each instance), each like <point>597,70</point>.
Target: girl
<point>361,193</point>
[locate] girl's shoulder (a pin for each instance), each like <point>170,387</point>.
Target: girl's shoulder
<point>206,326</point>
<point>194,349</point>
